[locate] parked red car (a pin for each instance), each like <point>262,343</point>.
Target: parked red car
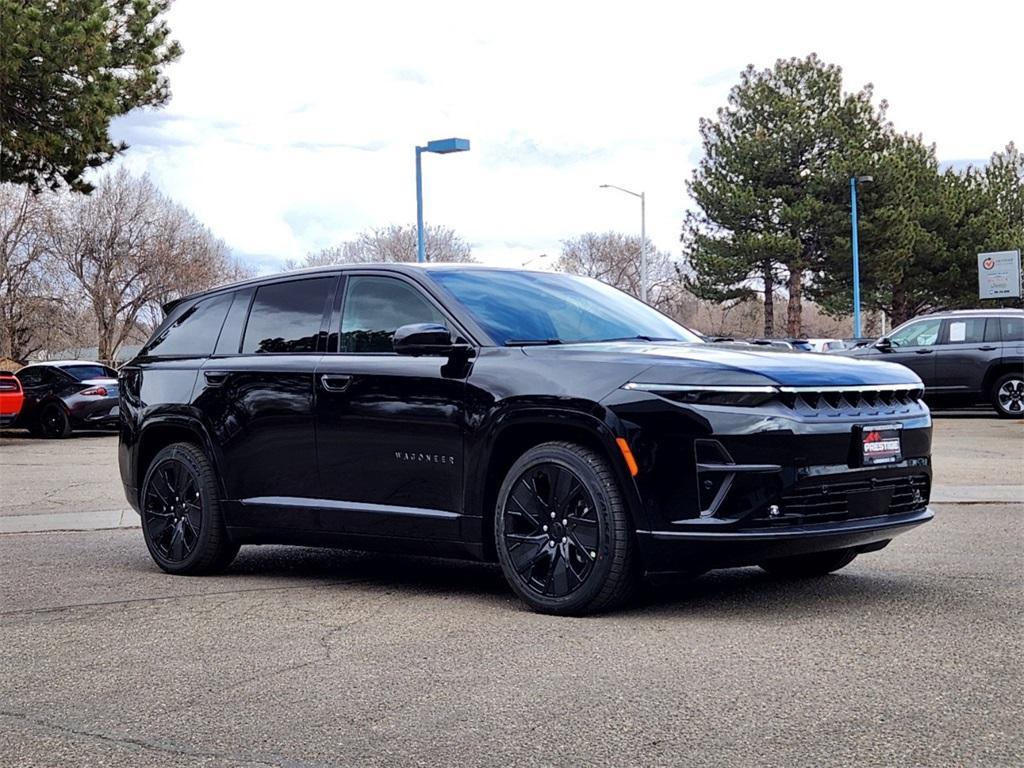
<point>11,398</point>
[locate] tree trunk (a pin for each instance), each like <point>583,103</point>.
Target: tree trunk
<point>769,300</point>
<point>794,312</point>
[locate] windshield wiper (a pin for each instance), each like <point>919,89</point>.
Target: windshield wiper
<point>531,342</point>
<point>639,338</point>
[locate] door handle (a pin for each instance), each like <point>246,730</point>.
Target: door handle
<point>987,349</point>
<point>215,378</point>
<point>924,351</point>
<point>335,382</point>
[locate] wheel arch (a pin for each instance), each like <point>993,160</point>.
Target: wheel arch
<point>162,432</point>
<point>1000,369</point>
<point>519,434</point>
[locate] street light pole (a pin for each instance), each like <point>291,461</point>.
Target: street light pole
<point>643,236</point>
<point>856,252</point>
<point>440,147</point>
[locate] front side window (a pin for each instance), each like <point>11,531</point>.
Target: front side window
<point>923,333</point>
<point>967,331</point>
<point>286,317</point>
<point>194,332</point>
<point>375,307</point>
<point>548,306</point>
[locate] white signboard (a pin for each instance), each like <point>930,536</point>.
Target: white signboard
<point>999,274</point>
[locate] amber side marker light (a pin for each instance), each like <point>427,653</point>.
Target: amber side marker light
<point>627,454</point>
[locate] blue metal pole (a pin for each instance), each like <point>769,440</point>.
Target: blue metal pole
<point>856,258</point>
<point>421,251</point>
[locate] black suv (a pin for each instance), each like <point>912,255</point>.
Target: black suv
<point>963,357</point>
<point>549,422</point>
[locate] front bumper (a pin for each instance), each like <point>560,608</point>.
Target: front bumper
<point>697,551</point>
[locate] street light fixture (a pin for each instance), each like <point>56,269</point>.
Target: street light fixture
<point>856,250</point>
<point>440,147</point>
<point>643,236</point>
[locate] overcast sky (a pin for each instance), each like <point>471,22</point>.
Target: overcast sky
<point>292,125</point>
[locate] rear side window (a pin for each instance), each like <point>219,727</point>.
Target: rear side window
<point>34,377</point>
<point>194,332</point>
<point>967,331</point>
<point>375,307</point>
<point>286,317</point>
<point>231,333</point>
<point>1013,328</point>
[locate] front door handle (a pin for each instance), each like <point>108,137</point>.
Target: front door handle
<point>924,351</point>
<point>215,378</point>
<point>335,382</point>
<point>987,349</point>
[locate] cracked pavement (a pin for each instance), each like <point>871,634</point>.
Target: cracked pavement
<point>302,657</point>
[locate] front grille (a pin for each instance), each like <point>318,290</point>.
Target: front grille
<point>851,402</point>
<point>831,501</point>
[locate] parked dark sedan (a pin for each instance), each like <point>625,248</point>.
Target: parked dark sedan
<point>64,395</point>
<point>546,421</point>
<point>963,357</point>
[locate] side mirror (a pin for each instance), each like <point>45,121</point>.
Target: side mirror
<point>884,344</point>
<point>424,339</point>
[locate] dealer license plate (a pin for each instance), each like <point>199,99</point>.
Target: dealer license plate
<point>881,444</point>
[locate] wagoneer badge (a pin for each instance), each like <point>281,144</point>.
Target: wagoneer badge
<point>425,458</point>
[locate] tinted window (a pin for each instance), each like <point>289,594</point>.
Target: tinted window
<point>1012,328</point>
<point>375,307</point>
<point>31,377</point>
<point>83,372</point>
<point>231,333</point>
<point>967,331</point>
<point>534,306</point>
<point>286,317</point>
<point>992,329</point>
<point>923,333</point>
<point>194,331</point>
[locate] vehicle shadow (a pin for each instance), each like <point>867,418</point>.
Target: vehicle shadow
<point>24,434</point>
<point>731,592</point>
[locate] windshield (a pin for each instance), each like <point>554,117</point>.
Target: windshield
<point>552,307</point>
<point>83,372</point>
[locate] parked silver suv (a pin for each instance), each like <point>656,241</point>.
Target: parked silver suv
<point>963,357</point>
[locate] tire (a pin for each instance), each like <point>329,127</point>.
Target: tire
<point>572,555</point>
<point>809,566</point>
<point>1008,396</point>
<point>53,422</point>
<point>182,521</point>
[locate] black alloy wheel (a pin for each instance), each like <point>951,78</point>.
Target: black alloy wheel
<point>181,516</point>
<point>53,421</point>
<point>562,533</point>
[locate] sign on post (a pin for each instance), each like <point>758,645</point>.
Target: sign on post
<point>999,275</point>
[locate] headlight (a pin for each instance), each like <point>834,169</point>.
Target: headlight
<point>708,394</point>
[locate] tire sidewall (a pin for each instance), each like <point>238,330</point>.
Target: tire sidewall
<point>579,599</point>
<point>65,429</point>
<point>199,466</point>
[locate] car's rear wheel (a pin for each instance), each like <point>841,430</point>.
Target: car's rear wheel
<point>1008,396</point>
<point>54,422</point>
<point>808,566</point>
<point>562,533</point>
<point>182,521</point>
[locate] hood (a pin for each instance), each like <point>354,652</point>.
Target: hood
<point>719,364</point>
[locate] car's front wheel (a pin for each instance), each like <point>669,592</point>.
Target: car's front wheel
<point>807,566</point>
<point>53,422</point>
<point>182,521</point>
<point>562,532</point>
<point>1008,396</point>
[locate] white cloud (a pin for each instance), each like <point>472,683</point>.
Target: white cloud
<point>292,126</point>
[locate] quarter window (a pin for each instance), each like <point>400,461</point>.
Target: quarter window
<point>375,307</point>
<point>921,334</point>
<point>286,317</point>
<point>194,332</point>
<point>1013,328</point>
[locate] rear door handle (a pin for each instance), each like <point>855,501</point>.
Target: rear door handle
<point>987,349</point>
<point>335,382</point>
<point>215,378</point>
<point>924,351</point>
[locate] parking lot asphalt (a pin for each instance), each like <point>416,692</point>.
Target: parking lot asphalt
<point>302,657</point>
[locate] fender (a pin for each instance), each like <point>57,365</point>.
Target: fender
<point>185,421</point>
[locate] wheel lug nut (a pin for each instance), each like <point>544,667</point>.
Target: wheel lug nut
<point>552,515</point>
<point>544,528</point>
<point>564,539</point>
<point>565,521</point>
<point>551,543</point>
